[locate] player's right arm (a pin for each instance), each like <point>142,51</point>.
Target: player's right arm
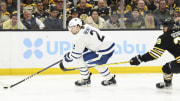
<point>157,51</point>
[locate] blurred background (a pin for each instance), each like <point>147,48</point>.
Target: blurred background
<point>102,14</point>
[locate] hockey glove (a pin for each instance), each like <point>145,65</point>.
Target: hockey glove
<point>136,60</point>
<point>67,57</point>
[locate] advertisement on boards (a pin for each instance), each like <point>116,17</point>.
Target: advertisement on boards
<point>37,49</point>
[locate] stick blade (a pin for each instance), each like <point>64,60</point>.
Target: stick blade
<point>6,87</point>
<point>63,68</point>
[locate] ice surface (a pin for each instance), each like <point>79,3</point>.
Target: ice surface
<point>130,87</point>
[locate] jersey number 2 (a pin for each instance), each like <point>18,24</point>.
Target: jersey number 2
<point>101,38</point>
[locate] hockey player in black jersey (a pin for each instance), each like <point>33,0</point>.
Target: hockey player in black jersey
<point>170,41</point>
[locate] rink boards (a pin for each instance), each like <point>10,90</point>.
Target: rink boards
<point>26,52</point>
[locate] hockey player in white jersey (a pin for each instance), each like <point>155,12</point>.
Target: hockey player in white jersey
<point>91,47</point>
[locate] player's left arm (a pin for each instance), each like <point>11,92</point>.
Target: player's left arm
<point>77,51</point>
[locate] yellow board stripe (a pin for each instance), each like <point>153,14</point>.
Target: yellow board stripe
<point>54,71</point>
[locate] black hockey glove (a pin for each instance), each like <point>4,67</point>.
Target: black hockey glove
<point>67,57</point>
<point>136,60</point>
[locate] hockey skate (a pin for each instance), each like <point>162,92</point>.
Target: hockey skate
<point>112,81</point>
<point>84,82</point>
<point>167,81</point>
<point>166,84</point>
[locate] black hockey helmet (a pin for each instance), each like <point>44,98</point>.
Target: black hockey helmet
<point>168,22</point>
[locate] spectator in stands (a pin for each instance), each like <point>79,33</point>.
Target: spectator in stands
<point>171,5</point>
<point>51,3</point>
<point>73,3</point>
<point>5,15</point>
<point>95,20</point>
<point>84,9</point>
<point>150,4</point>
<point>133,5</point>
<point>136,21</point>
<point>29,5</point>
<point>177,17</point>
<point>156,3</point>
<point>118,8</point>
<point>114,22</point>
<point>149,20</point>
<point>41,14</point>
<point>46,5</point>
<point>59,6</point>
<point>161,13</point>
<point>84,3</point>
<point>141,7</point>
<point>113,3</point>
<point>11,6</point>
<point>12,23</point>
<point>52,22</point>
<point>126,13</point>
<point>103,10</point>
<point>31,22</point>
<point>74,13</point>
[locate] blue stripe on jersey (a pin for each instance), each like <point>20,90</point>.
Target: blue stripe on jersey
<point>92,55</point>
<point>107,48</point>
<point>76,53</point>
<point>75,57</point>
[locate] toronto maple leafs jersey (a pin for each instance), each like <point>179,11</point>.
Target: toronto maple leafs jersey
<point>92,39</point>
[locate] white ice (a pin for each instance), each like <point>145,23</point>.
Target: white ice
<point>130,87</point>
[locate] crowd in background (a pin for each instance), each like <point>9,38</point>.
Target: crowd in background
<point>102,14</point>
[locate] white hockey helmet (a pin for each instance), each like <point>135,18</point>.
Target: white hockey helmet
<point>74,22</point>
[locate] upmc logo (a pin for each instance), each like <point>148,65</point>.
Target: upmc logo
<point>39,48</point>
<point>28,43</point>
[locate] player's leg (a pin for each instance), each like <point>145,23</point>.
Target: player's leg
<point>168,70</point>
<point>85,75</point>
<point>109,79</point>
<point>93,58</point>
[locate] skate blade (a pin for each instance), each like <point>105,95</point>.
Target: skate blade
<point>111,85</point>
<point>169,87</point>
<point>88,85</point>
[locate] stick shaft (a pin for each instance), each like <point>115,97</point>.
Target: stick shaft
<point>35,74</point>
<point>102,65</point>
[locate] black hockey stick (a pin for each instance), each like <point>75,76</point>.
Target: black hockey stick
<point>6,87</point>
<point>102,65</point>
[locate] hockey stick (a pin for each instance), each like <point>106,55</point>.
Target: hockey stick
<point>102,65</point>
<point>6,87</point>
